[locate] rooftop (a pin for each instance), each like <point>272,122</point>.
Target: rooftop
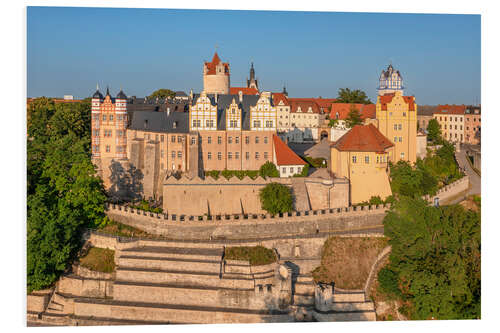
<point>343,109</point>
<point>284,155</point>
<point>363,138</point>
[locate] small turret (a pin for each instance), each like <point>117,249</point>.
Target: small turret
<point>97,93</point>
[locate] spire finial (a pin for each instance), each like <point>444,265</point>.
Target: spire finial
<point>216,46</point>
<point>107,90</point>
<point>97,86</point>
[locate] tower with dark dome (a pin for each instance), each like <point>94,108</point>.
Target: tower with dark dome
<point>390,81</point>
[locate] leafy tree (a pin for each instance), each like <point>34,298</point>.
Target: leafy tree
<point>434,132</point>
<point>268,169</point>
<point>353,117</point>
<point>435,258</point>
<point>333,122</point>
<point>162,93</point>
<point>346,95</point>
<point>64,193</point>
<point>276,198</point>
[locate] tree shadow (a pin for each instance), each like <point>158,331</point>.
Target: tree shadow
<point>126,184</point>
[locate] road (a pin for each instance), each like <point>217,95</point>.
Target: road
<point>320,149</point>
<point>474,178</point>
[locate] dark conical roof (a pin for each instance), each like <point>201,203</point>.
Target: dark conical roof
<point>107,92</point>
<point>121,95</point>
<point>97,94</point>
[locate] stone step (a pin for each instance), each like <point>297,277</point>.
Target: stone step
<point>302,288</point>
<point>299,299</point>
<point>348,297</point>
<point>174,313</point>
<point>180,244</point>
<point>300,193</point>
<point>55,306</point>
<point>173,252</point>
<point>56,319</point>
<point>194,278</point>
<point>187,264</point>
<point>346,316</point>
<point>352,306</point>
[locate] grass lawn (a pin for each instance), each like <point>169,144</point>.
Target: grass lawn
<point>256,255</point>
<point>119,229</point>
<point>100,260</point>
<point>347,261</point>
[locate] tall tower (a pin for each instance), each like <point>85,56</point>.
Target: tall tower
<point>252,82</point>
<point>216,76</point>
<point>390,81</point>
<point>121,125</point>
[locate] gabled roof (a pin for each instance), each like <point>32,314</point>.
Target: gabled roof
<point>244,90</point>
<point>280,97</point>
<point>284,155</point>
<point>387,98</point>
<point>343,109</point>
<point>160,121</point>
<point>451,109</point>
<point>363,138</point>
<point>427,110</point>
<point>304,104</point>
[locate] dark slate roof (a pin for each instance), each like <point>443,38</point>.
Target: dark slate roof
<point>97,94</point>
<point>121,95</point>
<point>159,121</point>
<point>426,110</point>
<point>180,94</point>
<point>223,102</point>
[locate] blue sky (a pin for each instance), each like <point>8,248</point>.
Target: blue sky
<point>69,50</point>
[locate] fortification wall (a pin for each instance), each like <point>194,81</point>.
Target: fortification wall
<point>240,226</point>
<point>450,191</point>
<point>85,287</point>
<point>37,301</point>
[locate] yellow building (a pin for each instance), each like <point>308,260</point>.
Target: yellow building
<point>361,156</point>
<point>397,120</point>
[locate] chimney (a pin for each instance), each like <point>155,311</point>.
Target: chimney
<point>240,95</point>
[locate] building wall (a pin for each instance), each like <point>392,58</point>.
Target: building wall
<point>472,133</point>
<point>399,125</point>
<point>283,117</point>
<point>423,121</point>
<point>366,171</point>
<point>217,83</point>
<point>452,126</point>
<point>263,114</point>
<point>421,145</point>
<point>289,170</point>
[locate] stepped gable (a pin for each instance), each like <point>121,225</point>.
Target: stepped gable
<point>363,138</point>
<point>387,98</point>
<point>284,155</point>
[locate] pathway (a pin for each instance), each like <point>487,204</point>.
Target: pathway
<point>474,178</point>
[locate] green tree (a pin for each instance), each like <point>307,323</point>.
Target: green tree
<point>276,198</point>
<point>268,169</point>
<point>333,122</point>
<point>162,93</point>
<point>353,117</point>
<point>436,259</point>
<point>346,95</point>
<point>434,132</point>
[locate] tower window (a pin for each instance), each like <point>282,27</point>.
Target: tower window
<point>219,156</point>
<point>209,155</point>
<point>209,140</point>
<point>354,159</point>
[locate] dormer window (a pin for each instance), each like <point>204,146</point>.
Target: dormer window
<point>175,124</point>
<point>145,123</point>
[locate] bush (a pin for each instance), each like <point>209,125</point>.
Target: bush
<point>388,283</point>
<point>276,198</point>
<point>231,173</point>
<point>100,260</point>
<point>256,255</point>
<point>268,169</point>
<point>144,205</point>
<point>304,172</point>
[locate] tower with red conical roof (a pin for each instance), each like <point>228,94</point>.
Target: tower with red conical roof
<point>216,76</point>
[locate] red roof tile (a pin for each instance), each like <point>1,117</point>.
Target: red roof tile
<point>304,105</point>
<point>450,109</point>
<point>363,138</point>
<point>284,155</point>
<point>387,98</point>
<point>343,109</point>
<point>278,97</point>
<point>211,66</point>
<point>244,90</point>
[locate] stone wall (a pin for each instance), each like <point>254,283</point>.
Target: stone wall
<point>86,287</point>
<point>450,191</point>
<point>37,301</point>
<point>241,226</point>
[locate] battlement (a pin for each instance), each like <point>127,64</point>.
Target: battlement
<point>451,190</point>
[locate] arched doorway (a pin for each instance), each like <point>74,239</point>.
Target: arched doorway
<point>324,134</point>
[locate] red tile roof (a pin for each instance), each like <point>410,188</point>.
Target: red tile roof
<point>450,109</point>
<point>387,98</point>
<point>278,97</point>
<point>284,155</point>
<point>244,90</point>
<point>343,109</point>
<point>304,104</point>
<point>363,138</point>
<point>211,66</point>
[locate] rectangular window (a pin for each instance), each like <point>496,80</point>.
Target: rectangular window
<point>247,140</point>
<point>256,123</point>
<point>108,149</point>
<point>402,155</point>
<point>378,159</point>
<point>395,127</point>
<point>173,154</point>
<point>193,140</point>
<point>400,139</point>
<point>404,114</point>
<point>256,139</point>
<point>173,138</point>
<point>283,170</point>
<point>209,155</point>
<point>265,155</point>
<point>237,155</point>
<point>354,159</point>
<point>291,169</point>
<point>219,140</point>
<point>162,138</point>
<point>256,155</point>
<point>367,159</point>
<point>194,123</point>
<point>400,127</point>
<point>179,154</point>
<point>219,156</point>
<point>110,117</point>
<point>395,139</point>
<point>103,117</point>
<point>229,156</point>
<point>269,123</point>
<point>209,140</point>
<point>179,139</point>
<point>237,139</point>
<point>265,139</point>
<point>161,153</point>
<point>207,123</point>
<point>247,155</point>
<point>230,139</point>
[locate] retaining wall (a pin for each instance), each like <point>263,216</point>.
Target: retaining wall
<point>450,191</point>
<point>38,300</point>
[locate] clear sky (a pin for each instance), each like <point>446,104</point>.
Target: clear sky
<point>69,50</point>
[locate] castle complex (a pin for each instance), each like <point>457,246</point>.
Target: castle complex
<point>233,128</point>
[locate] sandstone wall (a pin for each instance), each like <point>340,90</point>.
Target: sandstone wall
<point>37,301</point>
<point>86,287</point>
<point>450,191</point>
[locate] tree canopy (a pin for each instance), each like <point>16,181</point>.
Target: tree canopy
<point>276,198</point>
<point>268,169</point>
<point>64,193</point>
<point>353,117</point>
<point>434,266</point>
<point>162,93</point>
<point>434,132</point>
<point>346,95</point>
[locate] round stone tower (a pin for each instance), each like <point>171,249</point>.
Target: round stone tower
<point>216,76</point>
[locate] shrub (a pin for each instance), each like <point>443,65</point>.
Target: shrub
<point>388,282</point>
<point>256,255</point>
<point>268,169</point>
<point>276,198</point>
<point>100,260</point>
<point>304,172</point>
